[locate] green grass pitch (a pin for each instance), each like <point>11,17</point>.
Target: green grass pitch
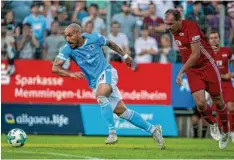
<point>77,147</point>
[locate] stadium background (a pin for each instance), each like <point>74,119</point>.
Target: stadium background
<point>40,102</point>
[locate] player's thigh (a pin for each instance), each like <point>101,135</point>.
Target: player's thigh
<point>228,94</point>
<point>213,81</point>
<point>230,106</point>
<point>106,82</point>
<point>199,98</point>
<point>103,89</point>
<point>115,98</point>
<point>196,80</point>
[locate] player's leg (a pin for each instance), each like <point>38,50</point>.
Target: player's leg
<point>215,91</point>
<point>195,121</point>
<point>103,92</point>
<point>206,112</point>
<point>228,96</point>
<point>230,106</point>
<point>136,119</point>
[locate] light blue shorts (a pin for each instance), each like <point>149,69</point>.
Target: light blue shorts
<point>110,76</point>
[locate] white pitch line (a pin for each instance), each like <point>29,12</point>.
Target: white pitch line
<point>56,154</point>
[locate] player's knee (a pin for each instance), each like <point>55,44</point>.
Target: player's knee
<point>230,106</point>
<point>102,100</point>
<point>219,104</point>
<point>201,104</point>
<point>127,114</point>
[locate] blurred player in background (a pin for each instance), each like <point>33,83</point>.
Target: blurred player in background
<point>222,56</point>
<point>86,50</point>
<point>202,73</point>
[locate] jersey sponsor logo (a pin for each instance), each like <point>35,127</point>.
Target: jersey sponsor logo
<point>195,38</point>
<point>181,34</point>
<point>224,55</point>
<point>178,43</point>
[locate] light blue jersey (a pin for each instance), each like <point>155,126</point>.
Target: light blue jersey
<point>88,57</point>
<point>38,26</point>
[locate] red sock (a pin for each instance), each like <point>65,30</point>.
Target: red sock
<point>217,118</point>
<point>231,120</point>
<point>207,115</point>
<point>222,115</point>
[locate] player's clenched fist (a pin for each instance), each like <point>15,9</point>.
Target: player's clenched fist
<point>77,75</point>
<point>128,61</point>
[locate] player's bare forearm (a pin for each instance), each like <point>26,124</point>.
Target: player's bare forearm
<point>193,58</point>
<point>116,48</point>
<point>58,69</point>
<point>190,62</point>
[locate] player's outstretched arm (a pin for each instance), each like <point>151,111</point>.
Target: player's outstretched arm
<point>193,58</point>
<point>57,68</point>
<point>128,60</point>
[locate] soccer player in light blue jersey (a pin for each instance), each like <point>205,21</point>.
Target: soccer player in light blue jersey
<point>86,51</point>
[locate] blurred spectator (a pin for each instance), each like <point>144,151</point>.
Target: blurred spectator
<point>181,10</point>
<point>9,23</point>
<point>49,11</point>
<point>62,18</point>
<point>21,9</point>
<point>88,28</point>
<point>230,9</point>
<point>166,54</point>
<point>27,43</point>
<point>8,49</point>
<point>116,7</point>
<point>197,16</point>
<point>145,47</point>
<point>210,8</point>
<point>228,28</point>
<point>155,24</point>
<point>162,6</point>
<point>101,4</point>
<point>120,39</point>
<point>37,22</point>
<point>79,14</point>
<point>140,9</point>
<point>127,23</point>
<point>53,42</point>
<point>98,22</point>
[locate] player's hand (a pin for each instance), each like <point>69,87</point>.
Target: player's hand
<point>226,76</point>
<point>179,79</point>
<point>77,75</point>
<point>128,61</point>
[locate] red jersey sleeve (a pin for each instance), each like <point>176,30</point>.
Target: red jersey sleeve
<point>194,33</point>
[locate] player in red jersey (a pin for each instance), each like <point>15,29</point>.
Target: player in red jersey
<point>223,56</point>
<point>201,71</point>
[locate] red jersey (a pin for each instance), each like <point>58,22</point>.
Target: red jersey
<point>191,33</point>
<point>221,58</point>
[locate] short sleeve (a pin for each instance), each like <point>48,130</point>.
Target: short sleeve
<point>102,41</point>
<point>194,33</point>
<point>64,53</point>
